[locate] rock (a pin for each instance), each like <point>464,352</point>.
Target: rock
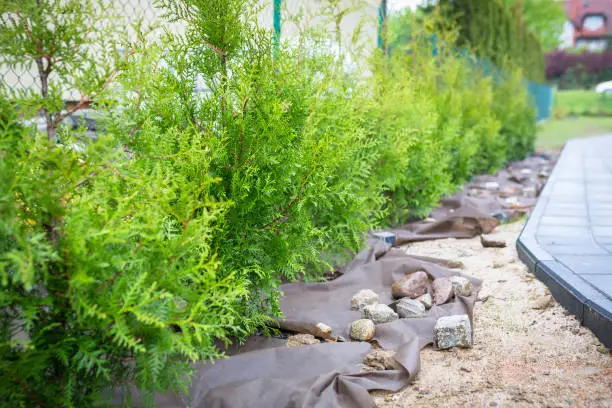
<point>461,286</point>
<point>301,339</point>
<point>501,217</point>
<point>443,290</point>
<point>429,220</point>
<point>512,200</point>
<point>455,264</point>
<point>379,313</point>
<point>491,185</point>
<point>543,302</point>
<point>407,308</point>
<point>490,242</point>
<point>362,330</point>
<point>380,359</point>
<point>544,174</point>
<point>426,300</point>
<point>412,286</point>
<point>530,191</point>
<point>325,329</point>
<point>364,298</point>
<point>453,331</point>
<point>385,236</point>
<point>487,224</point>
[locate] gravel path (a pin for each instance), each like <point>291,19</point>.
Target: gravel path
<point>527,351</point>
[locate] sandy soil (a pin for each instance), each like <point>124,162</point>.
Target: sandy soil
<point>521,356</point>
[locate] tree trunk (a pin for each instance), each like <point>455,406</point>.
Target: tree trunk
<point>43,73</point>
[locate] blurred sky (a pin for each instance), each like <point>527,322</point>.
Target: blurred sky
<point>400,4</point>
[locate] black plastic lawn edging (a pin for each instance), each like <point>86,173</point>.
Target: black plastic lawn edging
<point>554,250</point>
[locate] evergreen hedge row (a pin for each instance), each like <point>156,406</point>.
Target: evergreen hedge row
<point>125,259</point>
<point>495,31</point>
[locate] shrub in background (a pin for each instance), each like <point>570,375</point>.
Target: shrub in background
<point>494,30</point>
<point>517,115</point>
<point>581,69</point>
<point>413,164</point>
<point>583,103</point>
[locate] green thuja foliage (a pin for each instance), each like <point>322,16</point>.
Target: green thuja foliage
<point>282,137</point>
<point>228,165</point>
<point>413,167</point>
<point>108,272</point>
<point>107,269</point>
<point>517,115</point>
<point>495,30</point>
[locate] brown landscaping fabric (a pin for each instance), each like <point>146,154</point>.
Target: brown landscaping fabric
<point>477,209</point>
<point>264,373</point>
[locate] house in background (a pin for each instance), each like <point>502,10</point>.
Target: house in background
<point>588,25</point>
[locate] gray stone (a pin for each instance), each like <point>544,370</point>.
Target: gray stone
<point>512,200</point>
<point>490,242</point>
<point>443,290</point>
<point>453,331</point>
<point>412,286</point>
<point>530,191</point>
<point>385,236</point>
<point>426,300</point>
<point>407,308</point>
<point>362,330</point>
<point>364,298</point>
<point>501,217</point>
<point>461,286</point>
<point>379,313</point>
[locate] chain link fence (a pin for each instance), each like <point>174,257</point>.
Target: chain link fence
<point>132,11</point>
<point>21,78</point>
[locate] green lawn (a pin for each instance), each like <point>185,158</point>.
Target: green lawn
<point>553,133</point>
<point>582,102</point>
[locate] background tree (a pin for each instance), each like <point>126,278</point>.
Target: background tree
<point>544,18</point>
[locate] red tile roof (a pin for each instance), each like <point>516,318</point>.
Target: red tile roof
<point>577,10</point>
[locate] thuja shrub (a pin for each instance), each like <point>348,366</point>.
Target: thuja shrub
<point>280,135</point>
<point>413,164</point>
<point>107,269</point>
<point>516,112</point>
<point>108,272</point>
<point>434,115</point>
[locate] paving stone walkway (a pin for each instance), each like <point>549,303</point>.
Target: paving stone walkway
<point>567,241</point>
